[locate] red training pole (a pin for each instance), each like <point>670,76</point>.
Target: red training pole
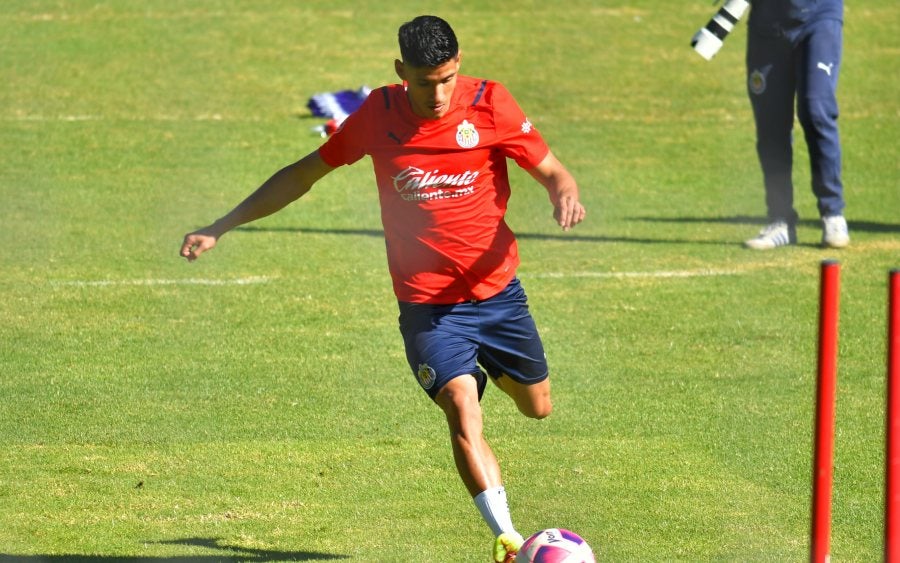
<point>826,388</point>
<point>892,432</point>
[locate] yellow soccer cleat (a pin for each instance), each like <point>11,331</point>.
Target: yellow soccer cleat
<point>506,546</point>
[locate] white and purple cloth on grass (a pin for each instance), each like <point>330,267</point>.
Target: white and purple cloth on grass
<point>336,106</point>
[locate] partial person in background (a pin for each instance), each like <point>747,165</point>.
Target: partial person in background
<point>794,52</point>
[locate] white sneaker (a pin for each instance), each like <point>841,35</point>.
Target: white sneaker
<point>834,232</point>
<point>773,235</point>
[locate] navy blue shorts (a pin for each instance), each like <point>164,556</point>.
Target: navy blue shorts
<point>497,334</point>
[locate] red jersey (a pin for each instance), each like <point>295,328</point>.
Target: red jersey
<point>443,186</point>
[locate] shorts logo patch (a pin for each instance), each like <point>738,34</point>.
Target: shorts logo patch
<point>466,135</point>
<point>757,80</point>
<point>426,376</point>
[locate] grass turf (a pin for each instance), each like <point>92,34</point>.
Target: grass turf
<point>256,405</point>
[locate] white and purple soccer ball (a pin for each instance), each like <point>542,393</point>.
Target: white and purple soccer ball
<point>555,545</point>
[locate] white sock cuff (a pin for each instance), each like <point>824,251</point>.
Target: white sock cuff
<point>495,510</point>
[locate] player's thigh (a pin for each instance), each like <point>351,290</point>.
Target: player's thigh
<point>440,344</point>
<point>822,50</point>
<point>771,82</point>
<point>510,345</point>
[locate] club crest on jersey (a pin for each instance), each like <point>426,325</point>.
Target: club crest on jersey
<point>466,135</point>
<point>758,80</point>
<point>426,376</point>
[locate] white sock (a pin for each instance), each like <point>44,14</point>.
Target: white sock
<point>495,510</point>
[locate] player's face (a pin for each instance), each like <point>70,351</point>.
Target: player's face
<point>429,89</point>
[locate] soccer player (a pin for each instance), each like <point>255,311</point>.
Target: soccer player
<point>439,144</point>
<point>794,51</point>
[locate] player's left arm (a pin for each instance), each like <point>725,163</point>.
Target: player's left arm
<point>562,189</point>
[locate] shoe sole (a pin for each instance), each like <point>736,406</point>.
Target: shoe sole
<point>759,245</point>
<point>836,244</point>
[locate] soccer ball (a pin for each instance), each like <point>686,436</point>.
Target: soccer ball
<point>555,545</point>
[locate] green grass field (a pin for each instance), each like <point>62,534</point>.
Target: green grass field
<point>257,406</point>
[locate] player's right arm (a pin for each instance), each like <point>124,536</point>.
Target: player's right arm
<point>284,187</point>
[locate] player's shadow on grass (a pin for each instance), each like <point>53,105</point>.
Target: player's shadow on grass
<point>565,237</point>
<point>855,226</point>
<point>226,553</point>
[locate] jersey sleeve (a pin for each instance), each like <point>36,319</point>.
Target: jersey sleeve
<point>518,138</point>
<point>348,143</point>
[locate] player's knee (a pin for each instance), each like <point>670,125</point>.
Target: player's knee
<point>538,410</point>
<point>459,401</point>
<point>819,114</point>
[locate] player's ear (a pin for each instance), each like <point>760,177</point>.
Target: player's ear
<point>399,69</point>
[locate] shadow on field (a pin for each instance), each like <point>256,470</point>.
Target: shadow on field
<point>312,230</point>
<point>567,237</point>
<point>855,226</point>
<point>227,554</point>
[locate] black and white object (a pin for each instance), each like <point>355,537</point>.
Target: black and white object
<point>708,40</point>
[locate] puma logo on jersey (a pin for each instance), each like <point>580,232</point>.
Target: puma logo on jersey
<point>826,67</point>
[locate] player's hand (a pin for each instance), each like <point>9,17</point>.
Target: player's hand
<point>568,212</point>
<point>197,243</point>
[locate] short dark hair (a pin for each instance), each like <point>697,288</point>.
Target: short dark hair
<point>427,41</point>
